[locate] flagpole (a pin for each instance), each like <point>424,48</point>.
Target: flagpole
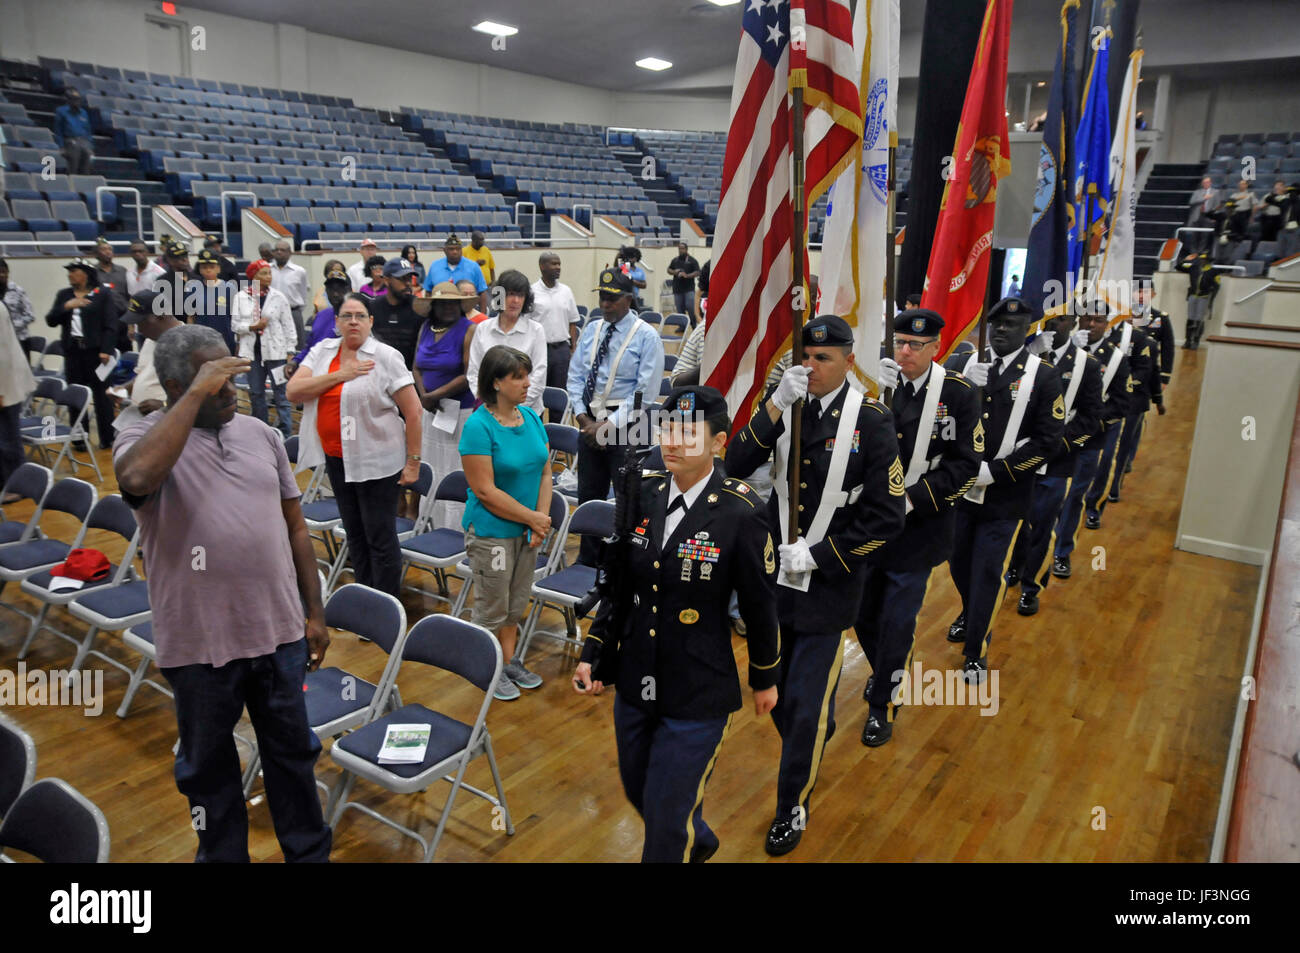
<point>798,246</point>
<point>890,305</point>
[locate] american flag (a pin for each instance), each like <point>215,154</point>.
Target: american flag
<point>751,285</point>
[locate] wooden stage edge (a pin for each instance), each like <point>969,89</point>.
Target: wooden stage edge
<point>1106,738</point>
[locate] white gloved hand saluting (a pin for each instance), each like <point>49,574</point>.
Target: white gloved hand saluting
<point>796,557</point>
<point>985,476</point>
<point>887,377</point>
<point>793,386</point>
<point>978,374</point>
<point>1079,338</point>
<point>1041,344</point>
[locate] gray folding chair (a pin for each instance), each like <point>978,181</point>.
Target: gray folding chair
<point>463,649</point>
<point>17,763</point>
<point>56,824</point>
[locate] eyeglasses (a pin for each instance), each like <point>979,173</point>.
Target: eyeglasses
<point>913,345</point>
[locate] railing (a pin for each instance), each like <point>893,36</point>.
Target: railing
<point>591,212</point>
<point>1257,291</point>
<point>225,225</point>
<point>532,219</point>
<point>99,204</point>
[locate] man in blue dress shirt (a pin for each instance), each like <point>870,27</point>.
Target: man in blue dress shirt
<point>456,267</point>
<point>616,358</point>
<point>73,132</point>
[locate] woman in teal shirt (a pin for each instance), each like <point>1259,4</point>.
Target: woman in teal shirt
<point>504,452</point>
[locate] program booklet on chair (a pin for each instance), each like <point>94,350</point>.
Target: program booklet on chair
<point>404,744</point>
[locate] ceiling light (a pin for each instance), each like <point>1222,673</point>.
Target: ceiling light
<point>724,3</point>
<point>1041,83</point>
<point>654,63</point>
<point>496,29</point>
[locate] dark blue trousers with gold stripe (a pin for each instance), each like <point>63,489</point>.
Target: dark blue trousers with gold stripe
<point>886,627</point>
<point>665,764</point>
<point>1036,538</point>
<point>804,714</point>
<point>981,551</point>
<point>1095,498</point>
<point>1067,525</point>
<point>1128,446</point>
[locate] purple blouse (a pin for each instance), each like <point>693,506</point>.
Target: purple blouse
<point>442,360</point>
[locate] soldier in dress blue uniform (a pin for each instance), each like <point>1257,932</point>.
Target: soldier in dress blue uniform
<point>1142,373</point>
<point>701,536</point>
<point>850,504</point>
<point>1115,389</point>
<point>1020,432</point>
<point>1079,375</point>
<point>940,408</point>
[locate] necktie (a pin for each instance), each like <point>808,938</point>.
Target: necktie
<point>678,503</point>
<point>589,389</point>
<point>812,412</point>
<point>670,526</point>
<point>995,372</point>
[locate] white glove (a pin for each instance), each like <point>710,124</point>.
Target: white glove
<point>1292,225</point>
<point>978,374</point>
<point>796,557</point>
<point>1041,344</point>
<point>985,476</point>
<point>887,377</point>
<point>1080,338</point>
<point>907,504</point>
<point>793,386</point>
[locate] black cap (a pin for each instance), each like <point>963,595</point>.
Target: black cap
<point>85,265</point>
<point>206,258</point>
<point>1016,308</point>
<point>397,268</point>
<point>614,282</point>
<point>142,305</point>
<point>918,321</point>
<point>177,250</point>
<point>337,276</point>
<point>826,331</point>
<point>695,401</point>
<point>211,240</point>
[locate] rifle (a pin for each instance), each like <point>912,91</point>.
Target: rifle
<point>614,580</point>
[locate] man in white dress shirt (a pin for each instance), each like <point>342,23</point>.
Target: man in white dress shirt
<point>291,281</point>
<point>556,311</point>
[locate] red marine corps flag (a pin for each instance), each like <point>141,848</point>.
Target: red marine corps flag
<point>957,277</point>
<point>808,45</point>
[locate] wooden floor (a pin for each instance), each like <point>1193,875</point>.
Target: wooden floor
<point>1115,703</point>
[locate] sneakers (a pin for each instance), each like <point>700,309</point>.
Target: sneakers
<point>506,690</point>
<point>515,671</point>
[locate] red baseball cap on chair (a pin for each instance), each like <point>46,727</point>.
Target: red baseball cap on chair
<point>82,566</point>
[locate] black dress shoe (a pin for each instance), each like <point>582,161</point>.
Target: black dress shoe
<point>1113,496</point>
<point>975,671</point>
<point>876,732</point>
<point>1061,568</point>
<point>1092,521</point>
<point>782,837</point>
<point>866,692</point>
<point>1012,576</point>
<point>957,631</point>
<point>1028,604</point>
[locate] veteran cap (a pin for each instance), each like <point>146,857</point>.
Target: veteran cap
<point>144,303</point>
<point>614,282</point>
<point>337,274</point>
<point>827,331</point>
<point>919,321</point>
<point>177,250</point>
<point>206,257</point>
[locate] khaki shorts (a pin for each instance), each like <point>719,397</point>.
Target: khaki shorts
<point>503,578</point>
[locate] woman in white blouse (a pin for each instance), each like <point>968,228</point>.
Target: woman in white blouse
<point>361,418</point>
<point>263,324</point>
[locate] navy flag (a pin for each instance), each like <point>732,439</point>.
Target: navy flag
<point>1091,180</point>
<point>1048,284</point>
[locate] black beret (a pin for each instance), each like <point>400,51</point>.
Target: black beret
<point>918,321</point>
<point>1016,308</point>
<point>827,330</point>
<point>695,401</point>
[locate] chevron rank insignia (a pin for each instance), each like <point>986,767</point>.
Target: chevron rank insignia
<point>896,487</point>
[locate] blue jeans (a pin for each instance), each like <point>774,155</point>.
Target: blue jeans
<point>209,702</point>
<point>257,378</point>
